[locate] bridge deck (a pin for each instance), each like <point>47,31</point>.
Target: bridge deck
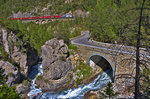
<point>84,40</point>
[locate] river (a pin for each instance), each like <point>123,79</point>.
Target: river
<point>76,93</point>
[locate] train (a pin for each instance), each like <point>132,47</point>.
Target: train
<point>44,17</point>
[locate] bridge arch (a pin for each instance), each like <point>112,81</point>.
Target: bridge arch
<point>37,21</point>
<point>103,62</point>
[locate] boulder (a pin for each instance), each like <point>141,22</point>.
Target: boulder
<point>52,51</point>
<point>57,70</point>
<point>23,88</point>
<point>11,73</point>
<point>56,65</point>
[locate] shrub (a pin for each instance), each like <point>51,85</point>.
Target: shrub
<point>25,82</point>
<point>83,72</point>
<point>71,46</point>
<point>10,74</point>
<point>8,93</point>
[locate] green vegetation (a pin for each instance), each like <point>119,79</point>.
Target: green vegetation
<point>4,57</point>
<point>8,93</point>
<point>46,80</point>
<point>10,74</point>
<point>72,49</point>
<point>59,7</point>
<point>63,58</point>
<point>3,54</point>
<point>71,46</point>
<point>145,83</point>
<point>21,68</point>
<point>5,92</point>
<point>108,92</point>
<point>117,20</point>
<point>39,77</point>
<point>102,22</point>
<point>21,5</point>
<point>25,82</point>
<point>2,78</point>
<point>83,72</point>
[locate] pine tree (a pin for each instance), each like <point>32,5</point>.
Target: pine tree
<point>137,85</point>
<point>108,92</point>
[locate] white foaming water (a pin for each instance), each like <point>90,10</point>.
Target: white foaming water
<point>77,93</point>
<point>92,63</point>
<point>35,70</point>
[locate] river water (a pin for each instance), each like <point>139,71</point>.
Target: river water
<point>76,93</point>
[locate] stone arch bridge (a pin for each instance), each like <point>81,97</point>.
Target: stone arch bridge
<point>118,59</point>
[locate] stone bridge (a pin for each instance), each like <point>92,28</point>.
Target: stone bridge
<point>117,60</point>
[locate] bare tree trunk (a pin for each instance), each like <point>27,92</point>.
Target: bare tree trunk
<point>137,91</point>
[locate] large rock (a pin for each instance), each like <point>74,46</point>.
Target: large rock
<point>52,51</point>
<point>21,60</point>
<point>56,65</point>
<point>57,70</point>
<point>25,60</point>
<point>23,88</point>
<point>4,40</point>
<point>11,73</point>
<point>24,55</point>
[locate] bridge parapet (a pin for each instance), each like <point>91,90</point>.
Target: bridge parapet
<point>121,48</point>
<point>114,45</point>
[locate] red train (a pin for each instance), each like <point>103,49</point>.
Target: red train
<point>43,17</point>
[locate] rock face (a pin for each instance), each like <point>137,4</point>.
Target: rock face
<point>10,72</point>
<point>25,60</point>
<point>81,13</point>
<point>57,70</point>
<point>4,39</point>
<point>23,89</point>
<point>24,55</point>
<point>20,14</point>
<point>56,65</point>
